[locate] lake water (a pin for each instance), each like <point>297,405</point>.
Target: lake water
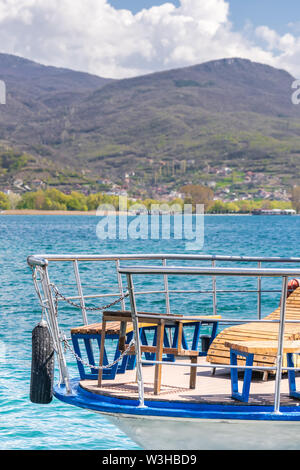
<point>58,426</point>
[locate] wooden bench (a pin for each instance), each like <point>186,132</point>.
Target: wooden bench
<point>218,353</point>
<point>114,330</point>
<point>124,317</point>
<point>249,349</point>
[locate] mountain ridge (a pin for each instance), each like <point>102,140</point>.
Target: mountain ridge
<point>228,112</point>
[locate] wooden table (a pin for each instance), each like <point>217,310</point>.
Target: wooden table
<point>117,325</point>
<point>124,317</point>
<point>248,349</point>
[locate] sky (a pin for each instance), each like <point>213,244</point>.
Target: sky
<point>126,38</point>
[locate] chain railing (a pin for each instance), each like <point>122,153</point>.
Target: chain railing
<point>49,294</point>
<point>93,366</point>
<point>52,320</point>
<point>58,295</point>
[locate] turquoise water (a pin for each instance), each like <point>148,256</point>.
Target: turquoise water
<point>57,426</point>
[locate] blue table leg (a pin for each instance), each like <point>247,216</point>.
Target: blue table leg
<point>197,336</point>
<point>213,332</point>
<point>244,396</point>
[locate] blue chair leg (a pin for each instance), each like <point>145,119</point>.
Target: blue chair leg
<point>184,341</point>
<point>114,368</point>
<point>151,356</point>
<point>78,352</point>
<point>87,339</point>
<point>169,357</point>
<point>90,354</point>
<point>144,342</point>
<point>291,377</point>
<point>244,396</point>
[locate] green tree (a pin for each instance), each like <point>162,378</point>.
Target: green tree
<point>4,201</point>
<point>77,202</point>
<point>198,194</point>
<point>296,198</point>
<point>14,199</point>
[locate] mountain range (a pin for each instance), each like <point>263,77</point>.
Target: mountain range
<point>166,128</point>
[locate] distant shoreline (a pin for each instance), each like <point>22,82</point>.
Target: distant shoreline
<point>44,212</point>
<point>50,212</point>
<point>55,212</point>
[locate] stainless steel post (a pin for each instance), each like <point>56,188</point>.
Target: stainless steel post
<point>214,287</point>
<point>280,344</point>
<point>166,284</point>
<point>120,284</point>
<point>259,293</point>
<point>135,323</point>
<point>79,289</point>
<point>63,369</point>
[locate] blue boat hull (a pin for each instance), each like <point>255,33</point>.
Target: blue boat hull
<point>182,425</point>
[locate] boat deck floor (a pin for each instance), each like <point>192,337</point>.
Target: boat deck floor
<point>209,388</point>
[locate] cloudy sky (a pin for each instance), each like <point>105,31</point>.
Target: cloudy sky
<point>125,38</point>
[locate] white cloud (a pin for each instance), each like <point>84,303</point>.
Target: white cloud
<point>285,48</point>
<point>91,35</point>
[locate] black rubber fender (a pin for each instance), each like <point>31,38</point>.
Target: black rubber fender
<point>42,365</point>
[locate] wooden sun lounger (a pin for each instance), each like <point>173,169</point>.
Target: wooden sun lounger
<point>219,352</point>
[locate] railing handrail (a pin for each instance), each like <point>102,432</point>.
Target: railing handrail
<point>182,270</point>
<point>43,259</point>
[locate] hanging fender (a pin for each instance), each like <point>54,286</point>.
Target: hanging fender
<point>292,285</point>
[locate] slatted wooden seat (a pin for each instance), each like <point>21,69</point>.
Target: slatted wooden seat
<point>112,328</point>
<point>219,352</point>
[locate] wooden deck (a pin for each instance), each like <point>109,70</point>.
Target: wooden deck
<point>209,388</point>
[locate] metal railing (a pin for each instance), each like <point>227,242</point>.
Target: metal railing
<point>43,261</point>
<point>283,273</point>
<point>40,267</point>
